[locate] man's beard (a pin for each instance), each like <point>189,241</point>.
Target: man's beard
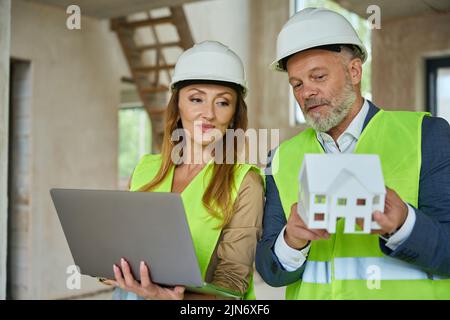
<point>340,108</point>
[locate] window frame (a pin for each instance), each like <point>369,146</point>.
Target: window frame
<point>432,65</point>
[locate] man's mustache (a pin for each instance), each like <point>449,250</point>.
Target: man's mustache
<point>309,103</point>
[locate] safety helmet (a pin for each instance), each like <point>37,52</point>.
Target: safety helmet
<point>314,27</point>
<point>210,60</point>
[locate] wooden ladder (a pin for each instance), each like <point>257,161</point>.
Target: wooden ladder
<point>146,77</point>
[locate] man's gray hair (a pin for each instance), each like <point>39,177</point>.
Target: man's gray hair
<point>352,52</point>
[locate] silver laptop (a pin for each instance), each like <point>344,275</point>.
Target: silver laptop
<point>103,226</point>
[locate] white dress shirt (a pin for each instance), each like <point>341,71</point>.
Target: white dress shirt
<point>292,259</point>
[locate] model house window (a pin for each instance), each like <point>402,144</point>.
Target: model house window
<point>376,200</point>
<point>361,202</point>
<point>359,222</point>
<point>320,199</point>
<point>342,202</point>
<point>363,30</point>
<point>319,216</point>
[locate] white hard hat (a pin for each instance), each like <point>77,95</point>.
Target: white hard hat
<point>210,60</point>
<point>314,27</point>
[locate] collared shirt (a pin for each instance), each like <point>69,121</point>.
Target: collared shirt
<point>292,259</point>
<point>346,142</point>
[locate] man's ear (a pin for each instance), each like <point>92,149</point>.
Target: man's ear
<point>355,70</point>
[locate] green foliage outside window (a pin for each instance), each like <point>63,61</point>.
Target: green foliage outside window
<point>134,139</point>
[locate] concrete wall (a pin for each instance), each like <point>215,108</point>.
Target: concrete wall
<point>5,18</point>
<point>75,81</point>
<point>226,21</point>
<point>399,50</point>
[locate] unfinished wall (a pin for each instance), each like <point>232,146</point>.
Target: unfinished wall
<point>399,50</point>
<point>75,79</point>
<point>225,21</point>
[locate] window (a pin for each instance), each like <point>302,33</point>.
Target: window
<point>438,82</point>
<point>364,33</point>
<point>320,199</point>
<point>376,200</point>
<point>342,202</point>
<point>359,223</point>
<point>134,139</point>
<point>297,114</point>
<point>360,202</point>
<point>135,132</point>
<point>319,216</point>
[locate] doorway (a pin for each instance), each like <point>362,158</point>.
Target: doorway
<point>19,180</point>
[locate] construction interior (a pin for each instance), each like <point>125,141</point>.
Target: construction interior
<point>65,92</point>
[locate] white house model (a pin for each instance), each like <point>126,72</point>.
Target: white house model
<point>334,186</point>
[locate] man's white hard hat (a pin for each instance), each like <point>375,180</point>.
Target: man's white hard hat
<point>210,60</point>
<point>314,27</point>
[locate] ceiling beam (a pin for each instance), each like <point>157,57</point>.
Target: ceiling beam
<point>105,9</point>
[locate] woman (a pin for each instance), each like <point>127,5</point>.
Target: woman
<point>223,202</point>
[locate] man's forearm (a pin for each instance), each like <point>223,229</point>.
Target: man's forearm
<point>271,270</point>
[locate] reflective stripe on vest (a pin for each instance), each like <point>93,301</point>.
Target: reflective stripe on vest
<point>381,268</point>
<point>384,268</point>
<point>317,272</point>
<point>202,225</point>
<point>337,268</point>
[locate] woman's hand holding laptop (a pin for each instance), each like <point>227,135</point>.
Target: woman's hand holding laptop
<point>146,288</point>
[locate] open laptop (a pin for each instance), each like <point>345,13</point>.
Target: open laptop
<point>103,226</point>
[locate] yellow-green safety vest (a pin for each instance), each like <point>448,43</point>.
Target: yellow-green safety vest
<point>202,224</point>
<point>352,266</point>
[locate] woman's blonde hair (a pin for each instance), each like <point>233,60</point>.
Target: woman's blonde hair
<point>217,197</point>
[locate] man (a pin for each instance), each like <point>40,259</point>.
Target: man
<point>409,258</point>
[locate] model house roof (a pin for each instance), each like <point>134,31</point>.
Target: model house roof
<point>323,169</point>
